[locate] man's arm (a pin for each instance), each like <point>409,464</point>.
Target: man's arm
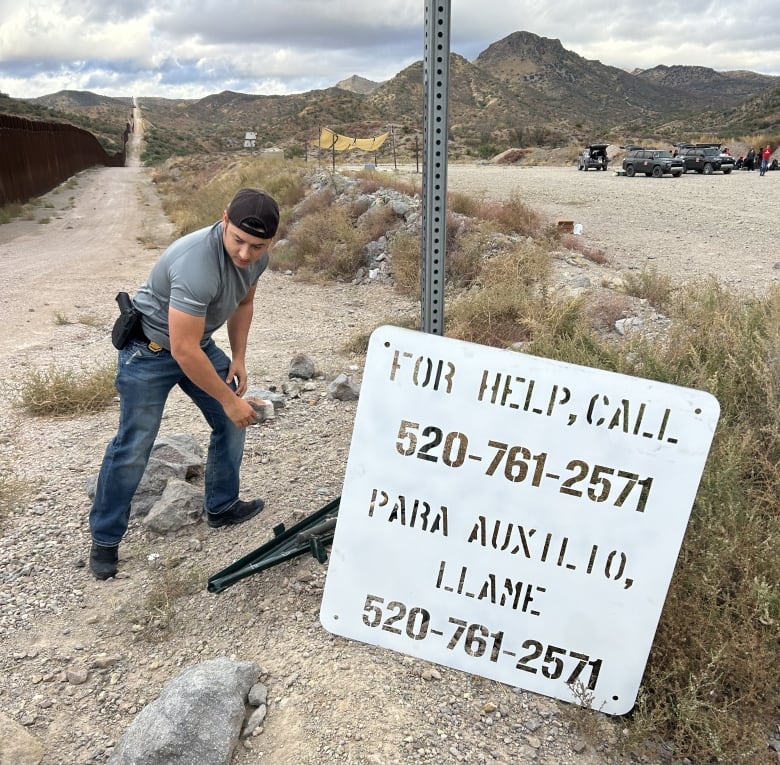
<point>238,331</point>
<point>186,332</point>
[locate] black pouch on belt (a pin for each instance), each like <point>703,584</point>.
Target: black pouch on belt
<point>128,325</point>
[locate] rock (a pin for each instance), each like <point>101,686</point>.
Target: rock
<point>343,389</point>
<point>17,746</point>
<point>180,505</point>
<point>265,409</point>
<point>258,694</point>
<point>254,721</point>
<point>196,719</point>
<point>301,366</point>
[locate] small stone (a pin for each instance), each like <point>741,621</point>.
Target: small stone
<point>77,676</point>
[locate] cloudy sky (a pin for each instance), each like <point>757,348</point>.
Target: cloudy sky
<point>177,49</point>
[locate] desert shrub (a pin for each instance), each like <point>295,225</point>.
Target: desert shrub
<point>326,243</point>
<point>507,305</point>
<point>358,343</point>
<point>580,244</point>
<point>514,217</point>
<point>13,490</point>
<point>406,252</point>
<point>359,206</point>
<point>463,204</point>
<point>377,221</point>
<point>370,181</point>
<point>66,392</point>
<point>317,201</point>
<point>649,284</point>
<point>605,310</point>
<point>707,688</point>
<point>464,262</point>
<point>10,212</point>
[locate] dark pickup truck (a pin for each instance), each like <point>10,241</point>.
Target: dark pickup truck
<point>705,159</point>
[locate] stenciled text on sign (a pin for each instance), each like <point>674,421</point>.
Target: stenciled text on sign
<point>512,516</point>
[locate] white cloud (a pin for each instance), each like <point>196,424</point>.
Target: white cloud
<point>180,49</point>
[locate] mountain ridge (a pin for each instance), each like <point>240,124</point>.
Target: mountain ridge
<point>521,90</point>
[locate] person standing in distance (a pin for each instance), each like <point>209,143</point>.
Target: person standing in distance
<point>766,154</point>
<point>202,281</point>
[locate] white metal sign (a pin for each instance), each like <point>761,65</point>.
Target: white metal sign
<point>512,516</point>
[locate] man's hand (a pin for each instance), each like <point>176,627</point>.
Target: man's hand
<point>241,412</point>
<point>238,373</point>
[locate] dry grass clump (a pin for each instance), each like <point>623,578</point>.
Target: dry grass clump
<point>376,221</point>
<point>154,618</point>
<point>464,204</point>
<point>358,343</point>
<point>373,180</point>
<point>325,242</point>
<point>12,490</point>
<point>88,320</point>
<point>604,310</point>
<point>514,217</point>
<point>406,252</point>
<point>649,284</point>
<point>10,212</point>
<point>506,304</point>
<point>578,244</point>
<point>62,392</point>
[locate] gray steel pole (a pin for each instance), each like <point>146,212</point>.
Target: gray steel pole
<point>436,74</point>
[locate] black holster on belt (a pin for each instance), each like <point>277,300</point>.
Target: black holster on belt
<point>128,325</point>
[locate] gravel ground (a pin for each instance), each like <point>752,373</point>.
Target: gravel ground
<point>80,657</point>
<point>689,227</point>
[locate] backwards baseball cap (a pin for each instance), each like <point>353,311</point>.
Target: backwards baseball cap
<point>254,212</point>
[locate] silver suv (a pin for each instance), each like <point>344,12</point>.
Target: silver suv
<point>593,156</point>
<point>651,162</point>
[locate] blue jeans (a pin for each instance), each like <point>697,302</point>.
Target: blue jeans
<point>764,165</point>
<point>144,379</point>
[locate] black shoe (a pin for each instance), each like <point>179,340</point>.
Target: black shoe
<point>103,560</point>
<point>240,512</point>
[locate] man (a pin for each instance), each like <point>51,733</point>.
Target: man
<point>766,153</point>
<point>202,281</point>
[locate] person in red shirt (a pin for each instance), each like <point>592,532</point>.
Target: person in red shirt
<point>766,153</point>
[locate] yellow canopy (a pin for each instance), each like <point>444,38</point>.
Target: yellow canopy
<point>330,140</point>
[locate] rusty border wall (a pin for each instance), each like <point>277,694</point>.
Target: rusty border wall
<point>37,156</point>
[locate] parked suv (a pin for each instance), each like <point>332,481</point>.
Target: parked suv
<point>655,162</point>
<point>594,156</point>
<point>705,158</point>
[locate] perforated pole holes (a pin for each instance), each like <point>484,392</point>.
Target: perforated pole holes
<point>436,66</point>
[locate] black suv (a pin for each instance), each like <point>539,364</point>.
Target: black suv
<point>594,156</point>
<point>705,159</point>
<point>655,162</point>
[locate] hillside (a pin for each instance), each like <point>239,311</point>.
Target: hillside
<point>357,84</point>
<point>523,90</point>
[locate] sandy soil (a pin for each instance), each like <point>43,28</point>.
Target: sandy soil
<point>330,700</point>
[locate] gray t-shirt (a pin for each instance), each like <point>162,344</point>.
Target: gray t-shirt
<point>195,275</point>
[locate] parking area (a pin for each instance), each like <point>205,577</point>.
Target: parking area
<point>689,227</point>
